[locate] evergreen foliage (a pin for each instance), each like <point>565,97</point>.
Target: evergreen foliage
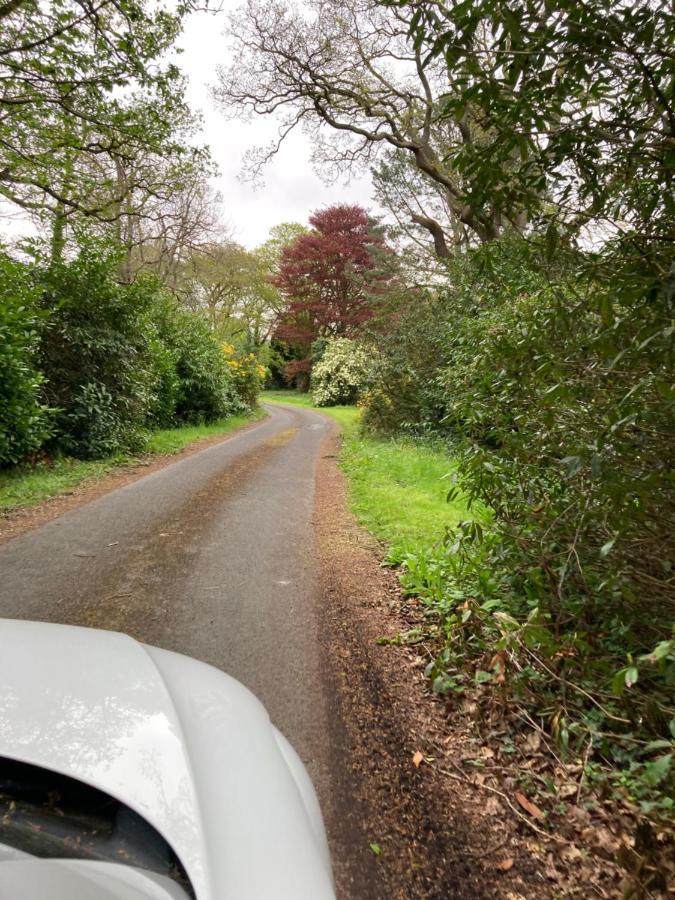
<point>544,359</point>
<point>555,397</point>
<point>95,355</point>
<point>89,363</point>
<point>24,421</point>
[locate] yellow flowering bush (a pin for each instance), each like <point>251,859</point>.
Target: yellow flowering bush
<point>247,373</point>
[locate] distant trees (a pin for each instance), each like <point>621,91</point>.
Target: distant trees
<point>161,228</point>
<point>230,285</point>
<point>332,280</point>
<point>234,287</point>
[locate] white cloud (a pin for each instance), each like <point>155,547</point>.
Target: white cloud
<point>291,189</point>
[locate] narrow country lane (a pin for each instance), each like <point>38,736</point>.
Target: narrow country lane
<point>212,556</point>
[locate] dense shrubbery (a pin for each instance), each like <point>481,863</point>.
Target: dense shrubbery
<point>89,364</point>
<point>95,354</point>
<point>200,385</point>
<point>405,392</point>
<point>24,422</point>
<point>341,374</point>
<point>557,399</point>
<point>247,373</point>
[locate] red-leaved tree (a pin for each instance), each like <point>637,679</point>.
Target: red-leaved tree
<point>332,279</point>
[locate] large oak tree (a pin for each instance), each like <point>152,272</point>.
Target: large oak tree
<point>90,106</point>
<point>347,72</point>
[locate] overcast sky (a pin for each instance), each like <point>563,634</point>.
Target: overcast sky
<point>291,189</point>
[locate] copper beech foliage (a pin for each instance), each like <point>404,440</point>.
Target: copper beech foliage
<point>332,279</point>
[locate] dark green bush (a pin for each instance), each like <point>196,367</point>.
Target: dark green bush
<point>555,393</point>
<point>200,385</point>
<point>119,358</point>
<point>166,383</point>
<point>408,358</point>
<point>24,422</point>
<point>96,355</point>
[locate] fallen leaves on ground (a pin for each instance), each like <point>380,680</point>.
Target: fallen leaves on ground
<point>505,865</point>
<point>529,806</point>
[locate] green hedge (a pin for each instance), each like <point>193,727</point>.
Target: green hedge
<point>96,355</point>
<point>555,397</point>
<point>89,364</point>
<point>24,421</point>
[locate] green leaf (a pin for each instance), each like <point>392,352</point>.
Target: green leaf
<point>656,771</point>
<point>663,650</point>
<point>624,678</point>
<point>377,850</point>
<point>631,676</point>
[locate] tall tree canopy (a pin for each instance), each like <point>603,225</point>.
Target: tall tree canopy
<point>576,104</point>
<point>347,72</point>
<point>509,109</point>
<point>332,277</point>
<point>87,96</point>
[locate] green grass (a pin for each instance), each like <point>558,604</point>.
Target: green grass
<point>347,416</point>
<point>173,440</point>
<point>26,486</point>
<point>295,398</point>
<point>398,487</point>
<point>399,490</point>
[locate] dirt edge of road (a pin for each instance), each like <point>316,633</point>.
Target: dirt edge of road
<point>17,521</point>
<point>433,831</point>
<point>430,841</point>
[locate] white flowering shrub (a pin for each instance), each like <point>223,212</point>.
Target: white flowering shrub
<point>341,375</point>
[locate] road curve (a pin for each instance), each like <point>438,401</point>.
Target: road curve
<point>212,556</point>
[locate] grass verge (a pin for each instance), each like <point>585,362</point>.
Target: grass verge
<point>398,487</point>
<point>173,440</point>
<point>25,486</point>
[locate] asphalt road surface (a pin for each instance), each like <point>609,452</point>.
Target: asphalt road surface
<point>211,556</point>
